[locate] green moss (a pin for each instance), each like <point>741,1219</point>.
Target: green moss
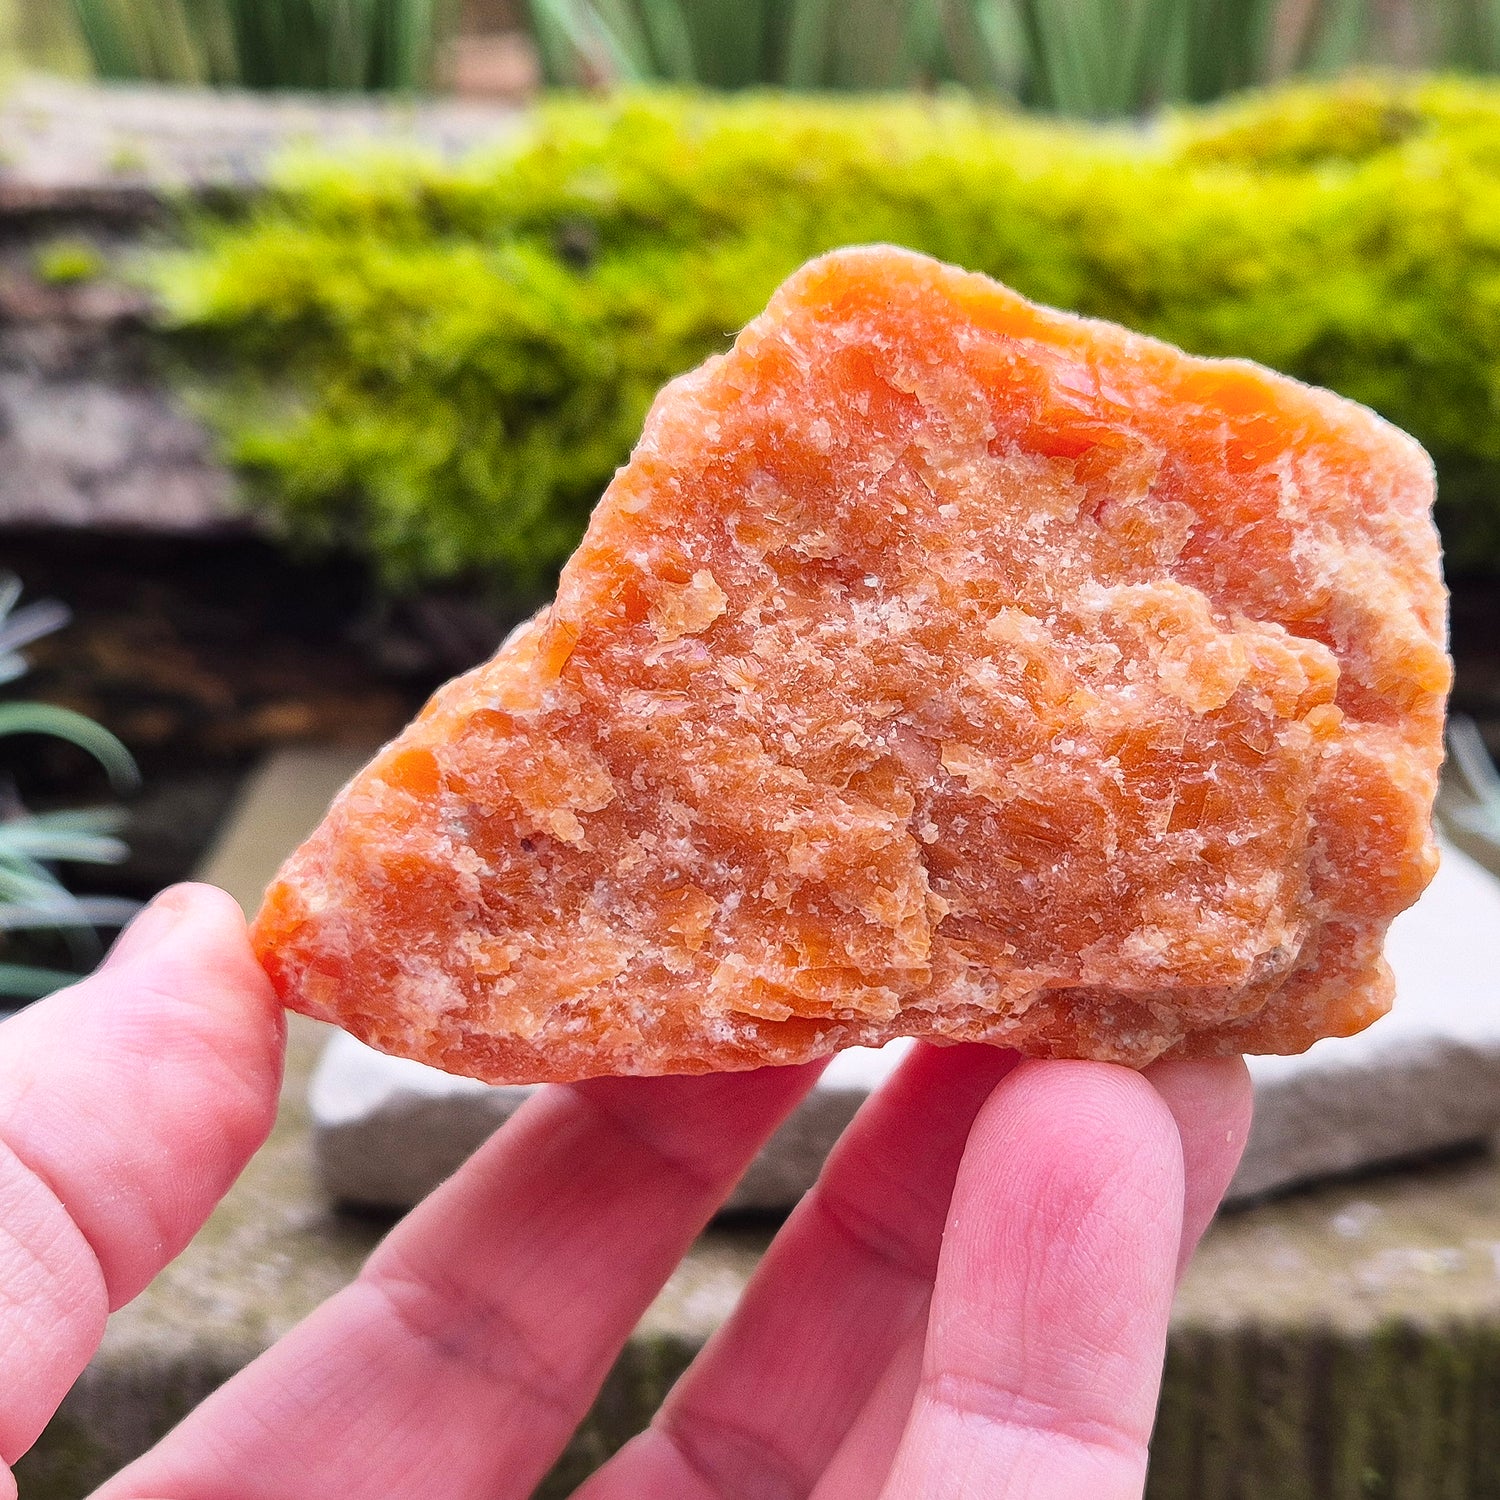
<point>127,158</point>
<point>65,262</point>
<point>443,364</point>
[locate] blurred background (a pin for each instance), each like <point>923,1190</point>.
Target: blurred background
<point>1091,58</point>
<point>323,325</point>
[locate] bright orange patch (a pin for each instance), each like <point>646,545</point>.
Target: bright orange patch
<point>941,665</point>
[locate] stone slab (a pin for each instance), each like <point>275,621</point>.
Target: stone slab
<point>124,147</point>
<point>1423,1079</point>
<point>388,1130</point>
<point>75,484</point>
<point>280,802</point>
<point>93,432</point>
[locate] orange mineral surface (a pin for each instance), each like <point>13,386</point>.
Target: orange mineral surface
<point>940,665</point>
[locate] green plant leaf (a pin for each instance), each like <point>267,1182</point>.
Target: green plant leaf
<point>1334,36</point>
<point>578,38</point>
<point>104,27</point>
<point>670,39</point>
<point>1470,758</point>
<point>25,884</point>
<point>340,45</point>
<point>985,44</point>
<point>65,724</point>
<point>36,837</point>
<point>92,911</point>
<point>22,627</point>
<point>28,887</point>
<point>807,44</point>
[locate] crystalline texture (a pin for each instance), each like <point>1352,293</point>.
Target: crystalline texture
<point>940,665</point>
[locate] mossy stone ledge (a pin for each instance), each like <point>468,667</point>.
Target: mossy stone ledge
<point>441,363</point>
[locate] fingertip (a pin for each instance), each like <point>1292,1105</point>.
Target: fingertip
<point>1213,1073</point>
<point>167,1079</point>
<point>207,903</point>
<point>191,917</point>
<point>1100,1117</point>
<point>191,947</point>
<point>1212,1094</point>
<point>1050,1311</point>
<point>1076,1162</point>
<point>1212,1102</point>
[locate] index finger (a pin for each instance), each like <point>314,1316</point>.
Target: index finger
<point>1049,1315</point>
<point>479,1333</point>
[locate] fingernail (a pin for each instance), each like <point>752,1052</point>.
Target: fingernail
<point>152,926</point>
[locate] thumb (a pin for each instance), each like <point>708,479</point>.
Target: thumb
<point>128,1105</point>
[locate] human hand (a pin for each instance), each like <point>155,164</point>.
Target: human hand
<point>971,1302</point>
<point>128,1105</point>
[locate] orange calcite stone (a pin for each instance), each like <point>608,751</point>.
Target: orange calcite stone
<point>940,665</point>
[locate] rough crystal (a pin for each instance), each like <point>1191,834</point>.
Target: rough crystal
<point>940,665</point>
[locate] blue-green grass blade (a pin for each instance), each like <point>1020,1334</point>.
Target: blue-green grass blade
<point>670,39</point>
<point>1470,758</point>
<point>581,45</point>
<point>559,43</point>
<point>808,44</point>
<point>77,729</point>
<point>34,839</point>
<point>621,21</point>
<point>96,911</point>
<point>20,628</point>
<point>102,26</point>
<point>1000,50</point>
<point>1336,37</point>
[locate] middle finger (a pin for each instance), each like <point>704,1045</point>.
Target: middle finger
<point>765,1406</point>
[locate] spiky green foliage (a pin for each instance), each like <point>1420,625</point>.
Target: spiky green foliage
<point>332,45</point>
<point>734,44</point>
<point>443,365</point>
<point>1463,34</point>
<point>33,898</point>
<point>1091,58</point>
<point>39,34</point>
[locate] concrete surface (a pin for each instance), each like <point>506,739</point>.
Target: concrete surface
<point>115,145</point>
<point>1338,1344</point>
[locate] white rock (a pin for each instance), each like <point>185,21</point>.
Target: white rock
<point>388,1130</point>
<point>1422,1079</point>
<point>791,1160</point>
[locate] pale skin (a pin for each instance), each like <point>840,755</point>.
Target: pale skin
<point>971,1303</point>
